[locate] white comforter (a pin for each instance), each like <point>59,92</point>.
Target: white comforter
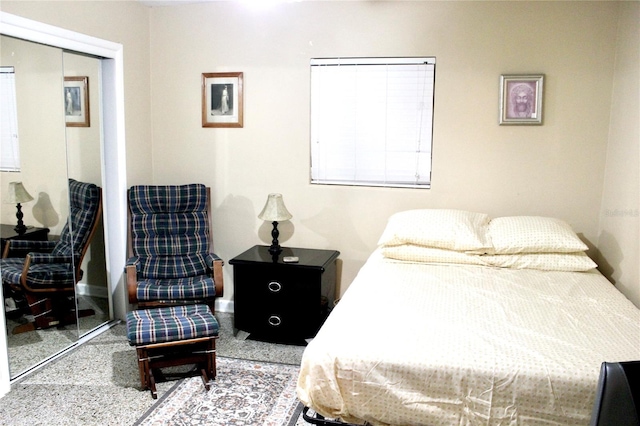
<point>417,344</point>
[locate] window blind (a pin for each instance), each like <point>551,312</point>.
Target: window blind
<point>371,121</point>
<point>9,148</point>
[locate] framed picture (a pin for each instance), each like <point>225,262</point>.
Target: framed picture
<point>222,99</point>
<point>521,99</point>
<point>76,101</point>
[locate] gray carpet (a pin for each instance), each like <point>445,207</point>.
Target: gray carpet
<point>98,383</point>
<point>27,349</point>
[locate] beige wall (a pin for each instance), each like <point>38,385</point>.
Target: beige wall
<point>619,233</point>
<point>557,169</point>
<point>83,143</point>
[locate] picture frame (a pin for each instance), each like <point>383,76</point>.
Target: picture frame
<point>222,99</point>
<point>521,98</point>
<point>76,102</point>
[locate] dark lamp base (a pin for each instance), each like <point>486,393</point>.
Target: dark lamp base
<point>20,227</point>
<point>275,248</point>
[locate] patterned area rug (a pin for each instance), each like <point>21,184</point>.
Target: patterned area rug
<point>244,393</point>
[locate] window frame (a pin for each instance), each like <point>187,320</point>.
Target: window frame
<point>9,140</point>
<point>387,146</point>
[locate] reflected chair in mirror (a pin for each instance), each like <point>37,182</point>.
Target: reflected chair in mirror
<point>617,401</point>
<point>45,272</point>
<point>171,260</point>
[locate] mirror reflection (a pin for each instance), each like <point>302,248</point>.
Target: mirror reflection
<point>83,144</point>
<point>50,309</point>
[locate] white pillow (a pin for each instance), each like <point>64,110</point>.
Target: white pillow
<point>421,254</point>
<point>440,228</point>
<point>570,262</point>
<point>533,234</point>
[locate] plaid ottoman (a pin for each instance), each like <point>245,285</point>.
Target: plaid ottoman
<point>172,336</point>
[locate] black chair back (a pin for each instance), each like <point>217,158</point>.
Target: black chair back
<point>618,395</point>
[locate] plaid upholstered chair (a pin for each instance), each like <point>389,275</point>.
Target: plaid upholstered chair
<point>170,247</point>
<point>46,277</point>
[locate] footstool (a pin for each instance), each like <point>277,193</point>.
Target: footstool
<point>172,336</point>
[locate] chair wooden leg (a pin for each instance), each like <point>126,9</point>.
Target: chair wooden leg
<point>40,308</point>
<point>48,312</point>
<point>152,385</point>
<point>143,367</point>
<point>210,361</point>
<point>211,358</point>
<point>205,378</point>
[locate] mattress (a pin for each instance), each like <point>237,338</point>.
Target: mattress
<point>441,344</point>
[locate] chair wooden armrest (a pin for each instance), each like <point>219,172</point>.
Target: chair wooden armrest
<point>132,283</point>
<point>29,260</point>
<point>217,277</point>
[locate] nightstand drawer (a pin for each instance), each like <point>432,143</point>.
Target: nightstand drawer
<point>272,284</point>
<point>283,325</point>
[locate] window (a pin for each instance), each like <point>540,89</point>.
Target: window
<point>9,148</point>
<point>371,121</point>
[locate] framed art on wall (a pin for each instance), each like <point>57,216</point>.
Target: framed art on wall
<point>76,101</point>
<point>521,99</point>
<point>222,99</point>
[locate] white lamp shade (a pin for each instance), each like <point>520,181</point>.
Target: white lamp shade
<point>274,210</point>
<point>18,194</point>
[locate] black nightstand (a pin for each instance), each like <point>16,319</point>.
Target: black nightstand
<point>283,302</point>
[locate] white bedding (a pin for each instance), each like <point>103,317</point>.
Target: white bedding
<point>424,344</point>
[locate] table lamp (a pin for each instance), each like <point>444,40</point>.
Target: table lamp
<point>18,194</point>
<point>275,211</point>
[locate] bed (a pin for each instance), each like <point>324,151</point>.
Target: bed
<point>459,319</point>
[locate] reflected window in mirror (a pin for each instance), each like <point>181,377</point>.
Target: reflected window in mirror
<point>9,146</point>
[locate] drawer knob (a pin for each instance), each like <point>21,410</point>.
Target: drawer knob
<point>275,320</point>
<point>275,286</point>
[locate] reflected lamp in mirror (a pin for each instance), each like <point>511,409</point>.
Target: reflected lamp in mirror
<point>17,195</point>
<point>274,211</point>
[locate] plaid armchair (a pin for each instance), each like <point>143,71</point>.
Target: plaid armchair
<point>170,247</point>
<point>46,277</point>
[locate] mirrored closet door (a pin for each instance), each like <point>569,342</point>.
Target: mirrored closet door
<point>59,137</point>
<point>83,138</point>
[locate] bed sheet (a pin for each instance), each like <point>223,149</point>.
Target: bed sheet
<point>423,344</point>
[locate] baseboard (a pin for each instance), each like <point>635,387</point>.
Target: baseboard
<point>91,290</point>
<point>224,305</point>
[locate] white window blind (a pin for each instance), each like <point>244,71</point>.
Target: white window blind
<point>371,121</point>
<point>9,148</point>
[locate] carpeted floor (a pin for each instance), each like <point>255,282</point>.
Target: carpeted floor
<point>98,383</point>
<point>28,349</point>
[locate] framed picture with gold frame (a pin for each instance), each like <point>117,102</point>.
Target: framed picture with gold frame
<point>222,103</point>
<point>76,102</point>
<point>521,99</point>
